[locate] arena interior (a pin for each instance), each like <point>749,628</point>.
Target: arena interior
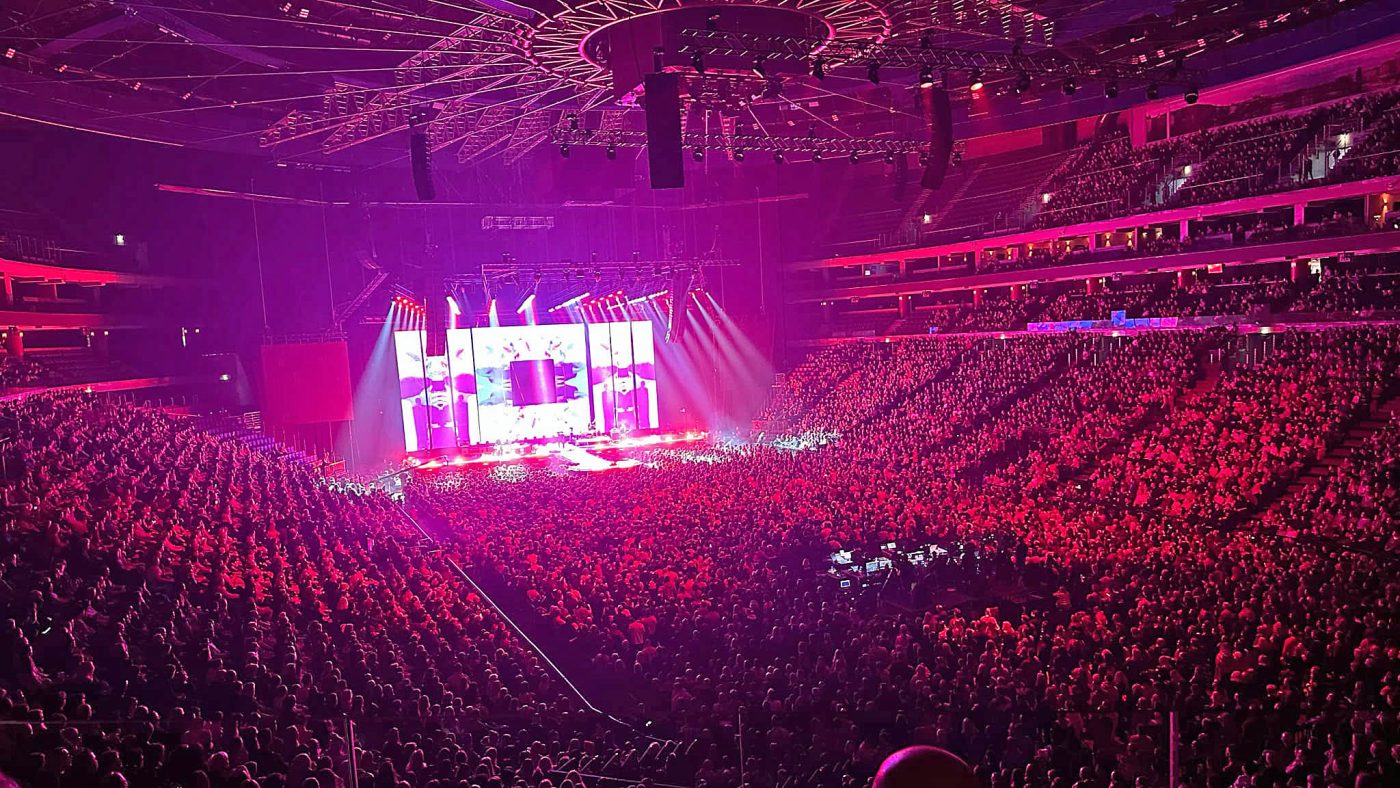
<point>699,393</point>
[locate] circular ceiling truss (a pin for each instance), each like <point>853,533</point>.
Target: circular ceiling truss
<point>557,45</point>
<point>309,80</point>
<point>312,79</point>
<point>492,87</point>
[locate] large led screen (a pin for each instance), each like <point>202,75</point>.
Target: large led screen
<point>425,395</point>
<point>520,383</point>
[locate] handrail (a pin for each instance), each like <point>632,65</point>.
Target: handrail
<point>510,621</point>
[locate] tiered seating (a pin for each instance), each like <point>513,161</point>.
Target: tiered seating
<point>995,197</point>
<point>1356,293</point>
<point>76,366</point>
<point>1245,158</point>
<point>1378,151</point>
<point>1107,178</point>
<point>862,324</point>
<point>707,598</point>
<point>19,373</point>
<point>187,612</point>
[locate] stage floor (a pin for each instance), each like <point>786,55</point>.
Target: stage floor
<point>580,454</point>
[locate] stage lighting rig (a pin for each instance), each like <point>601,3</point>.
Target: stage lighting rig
<point>563,136</point>
<point>1024,66</point>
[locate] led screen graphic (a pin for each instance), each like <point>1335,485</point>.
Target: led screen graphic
<point>425,395</point>
<point>518,383</point>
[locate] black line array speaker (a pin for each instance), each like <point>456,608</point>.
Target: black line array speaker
<point>663,98</point>
<point>941,147</point>
<point>422,160</point>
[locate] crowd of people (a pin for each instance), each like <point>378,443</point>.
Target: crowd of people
<point>177,609</point>
<point>1377,153</point>
<point>1128,583</point>
<point>1245,158</point>
<point>18,373</point>
<point>1117,476</point>
<point>1109,176</point>
<point>1357,290</point>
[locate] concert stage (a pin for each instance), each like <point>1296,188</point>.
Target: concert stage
<point>579,454</point>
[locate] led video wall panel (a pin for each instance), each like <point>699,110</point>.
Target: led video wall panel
<point>425,394</point>
<point>519,383</point>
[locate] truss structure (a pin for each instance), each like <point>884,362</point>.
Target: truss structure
<point>802,49</point>
<point>630,138</point>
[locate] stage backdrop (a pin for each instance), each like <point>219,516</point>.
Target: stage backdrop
<point>306,383</point>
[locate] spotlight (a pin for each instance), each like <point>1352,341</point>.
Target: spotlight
<point>889,158</point>
<point>816,155</point>
<point>976,83</point>
<point>777,157</point>
<point>923,159</point>
<point>872,72</point>
<point>573,121</point>
<point>1153,92</point>
<point>697,61</point>
<point>712,22</point>
<point>819,68</point>
<point>612,152</point>
<point>855,157</point>
<point>758,66</point>
<point>1192,95</point>
<point>698,154</point>
<point>738,154</point>
<point>1023,83</point>
<point>564,150</point>
<point>1070,86</point>
<point>1110,89</point>
<point>926,77</point>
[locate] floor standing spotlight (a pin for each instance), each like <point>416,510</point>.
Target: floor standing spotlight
<point>819,67</point>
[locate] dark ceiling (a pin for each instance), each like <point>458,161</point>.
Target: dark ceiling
<point>324,80</point>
